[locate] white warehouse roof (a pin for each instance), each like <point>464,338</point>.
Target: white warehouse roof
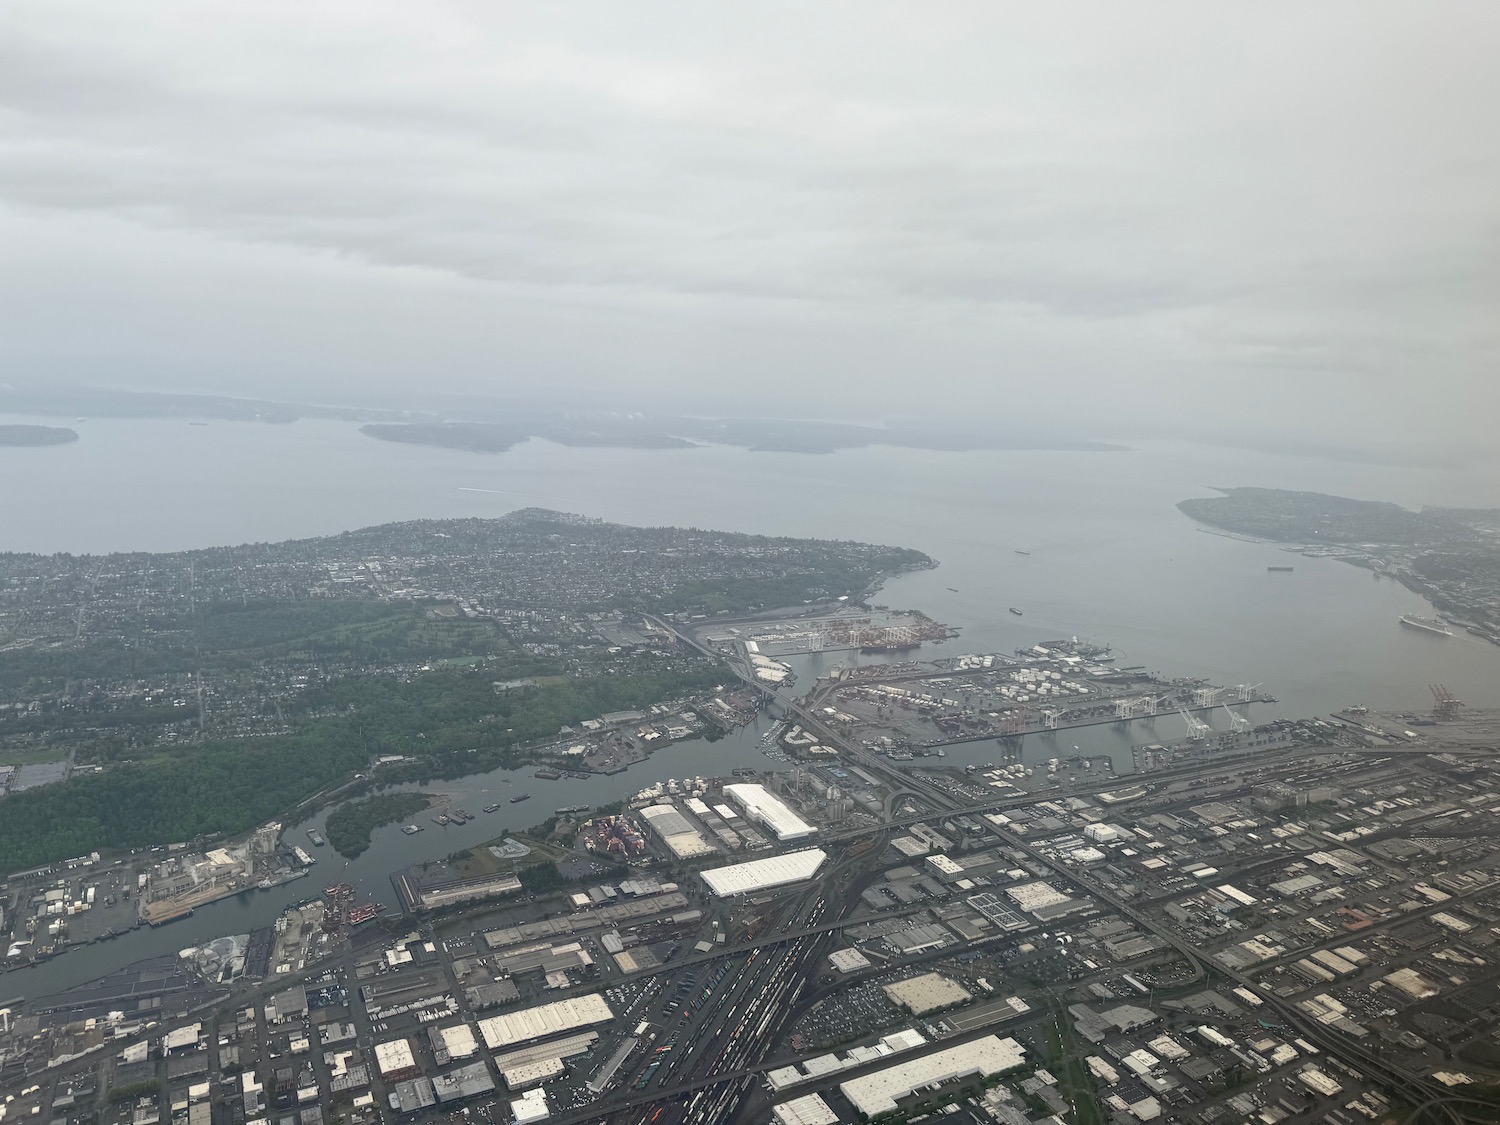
<point>807,1110</point>
<point>544,1020</point>
<point>762,807</point>
<point>394,1057</point>
<point>877,1093</point>
<point>529,1107</point>
<point>676,832</point>
<point>761,874</point>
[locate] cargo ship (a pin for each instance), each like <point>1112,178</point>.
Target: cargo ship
<point>316,837</point>
<point>520,797</point>
<point>1426,624</point>
<point>890,646</point>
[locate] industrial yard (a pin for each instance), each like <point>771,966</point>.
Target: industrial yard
<point>1290,922</point>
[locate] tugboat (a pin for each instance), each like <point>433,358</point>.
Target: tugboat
<point>441,819</point>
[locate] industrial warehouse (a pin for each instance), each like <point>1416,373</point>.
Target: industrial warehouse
<point>764,874</point>
<point>761,807</point>
<point>878,1093</point>
<point>696,945</point>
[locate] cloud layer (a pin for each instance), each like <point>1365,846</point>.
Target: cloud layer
<point>1127,211</point>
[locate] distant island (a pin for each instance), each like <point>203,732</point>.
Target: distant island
<point>110,402</point>
<point>36,435</point>
<point>1315,517</point>
<point>497,437</point>
<point>759,435</point>
<point>1451,556</point>
<point>495,426</point>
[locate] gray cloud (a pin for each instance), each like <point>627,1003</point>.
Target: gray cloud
<point>1110,201</point>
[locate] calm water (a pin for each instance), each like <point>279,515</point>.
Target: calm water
<point>1110,559</point>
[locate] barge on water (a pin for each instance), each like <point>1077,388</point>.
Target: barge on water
<point>186,912</point>
<point>316,837</point>
<point>520,797</point>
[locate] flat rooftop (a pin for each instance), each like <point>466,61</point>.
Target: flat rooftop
<point>763,807</point>
<point>762,874</point>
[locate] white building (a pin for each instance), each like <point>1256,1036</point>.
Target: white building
<point>764,808</point>
<point>529,1107</point>
<point>878,1093</point>
<point>395,1059</point>
<point>676,831</point>
<point>762,874</point>
<point>544,1020</point>
<point>807,1110</point>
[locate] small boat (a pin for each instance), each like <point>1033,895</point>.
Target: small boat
<point>1023,552</point>
<point>1016,611</point>
<point>520,797</point>
<point>951,590</point>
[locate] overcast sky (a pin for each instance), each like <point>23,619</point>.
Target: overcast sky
<point>1215,215</point>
